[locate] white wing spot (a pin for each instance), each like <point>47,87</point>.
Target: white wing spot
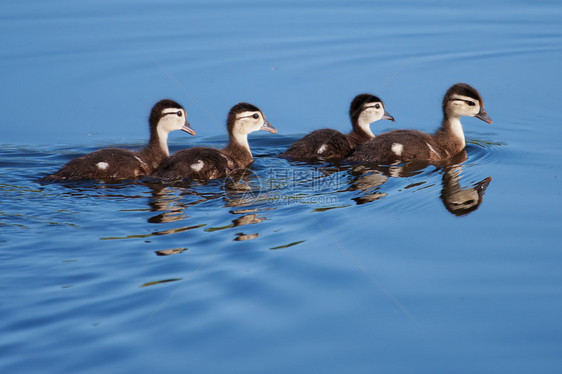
<point>431,149</point>
<point>322,149</point>
<point>397,148</point>
<point>198,165</point>
<point>102,165</point>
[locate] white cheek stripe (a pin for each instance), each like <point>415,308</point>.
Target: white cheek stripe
<point>173,111</point>
<point>462,97</point>
<point>367,106</point>
<point>397,148</point>
<point>322,149</point>
<point>102,165</point>
<point>246,114</point>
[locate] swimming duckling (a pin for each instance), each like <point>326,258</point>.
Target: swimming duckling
<point>210,163</point>
<point>329,144</point>
<point>409,145</point>
<point>110,163</point>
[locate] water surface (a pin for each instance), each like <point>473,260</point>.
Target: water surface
<point>319,267</point>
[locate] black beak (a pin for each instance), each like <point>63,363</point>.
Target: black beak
<point>387,115</point>
<point>483,116</point>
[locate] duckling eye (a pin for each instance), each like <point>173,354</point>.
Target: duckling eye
<point>255,116</point>
<point>470,103</point>
<point>179,113</point>
<point>378,106</point>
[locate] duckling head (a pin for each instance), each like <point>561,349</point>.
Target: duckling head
<point>167,116</point>
<point>366,109</point>
<point>245,118</point>
<point>463,100</point>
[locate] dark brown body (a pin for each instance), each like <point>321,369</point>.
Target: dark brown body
<point>416,146</point>
<point>215,164</point>
<point>121,164</point>
<point>336,146</point>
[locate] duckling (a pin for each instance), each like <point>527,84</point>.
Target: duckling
<point>210,163</point>
<point>409,145</point>
<point>111,163</point>
<point>329,144</point>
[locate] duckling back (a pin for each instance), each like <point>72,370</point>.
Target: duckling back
<point>397,146</point>
<point>194,163</point>
<point>324,144</point>
<point>109,163</point>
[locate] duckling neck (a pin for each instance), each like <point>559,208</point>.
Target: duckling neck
<point>162,139</point>
<point>361,132</point>
<point>238,149</point>
<point>451,135</point>
<point>363,127</point>
<point>157,149</point>
<point>451,179</point>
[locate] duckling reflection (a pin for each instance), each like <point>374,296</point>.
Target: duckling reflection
<point>166,201</point>
<point>457,200</point>
<point>277,184</point>
<point>368,181</point>
<point>369,178</point>
<point>247,219</point>
<point>169,252</point>
<point>172,202</point>
<point>241,188</point>
<point>241,237</point>
<point>301,184</point>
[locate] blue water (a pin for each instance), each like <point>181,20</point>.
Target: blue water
<point>318,268</point>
